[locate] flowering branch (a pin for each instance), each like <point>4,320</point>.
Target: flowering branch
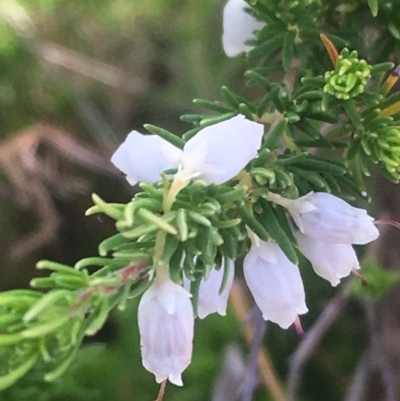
<point>272,180</point>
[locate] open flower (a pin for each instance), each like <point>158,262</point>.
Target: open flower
<point>330,261</point>
<point>275,283</point>
<point>328,218</point>
<point>238,27</point>
<point>215,154</point>
<point>166,324</point>
<point>210,299</point>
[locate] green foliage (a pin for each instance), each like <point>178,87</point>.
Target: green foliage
<point>290,26</point>
<point>309,112</point>
<point>379,145</point>
<point>101,372</point>
<point>50,327</point>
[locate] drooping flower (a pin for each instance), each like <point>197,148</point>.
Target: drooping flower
<point>166,324</point>
<point>330,261</point>
<point>275,283</point>
<point>239,27</point>
<point>215,154</point>
<point>210,300</point>
<point>327,218</point>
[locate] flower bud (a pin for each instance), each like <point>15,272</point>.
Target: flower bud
<point>166,325</point>
<point>275,283</point>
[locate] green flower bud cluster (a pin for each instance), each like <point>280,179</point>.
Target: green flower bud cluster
<point>377,140</point>
<point>350,76</point>
<point>383,147</point>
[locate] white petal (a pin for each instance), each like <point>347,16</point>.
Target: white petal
<point>222,150</point>
<point>238,27</point>
<point>167,294</point>
<point>144,157</point>
<point>276,287</point>
<point>268,253</point>
<point>175,378</point>
<point>330,261</point>
<point>332,219</point>
<point>210,301</point>
<point>166,333</point>
<point>260,250</point>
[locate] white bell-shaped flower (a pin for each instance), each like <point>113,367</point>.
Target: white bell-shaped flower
<point>210,300</point>
<point>330,261</point>
<point>238,26</point>
<point>166,324</point>
<point>215,154</point>
<point>328,218</point>
<point>275,283</point>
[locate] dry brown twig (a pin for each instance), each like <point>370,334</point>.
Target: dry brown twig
<point>357,389</point>
<point>35,165</point>
<point>251,379</point>
<point>381,364</point>
<point>312,339</point>
<point>267,371</point>
<point>315,334</point>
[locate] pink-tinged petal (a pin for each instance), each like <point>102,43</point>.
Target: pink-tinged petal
<point>166,324</point>
<point>277,287</point>
<point>144,157</point>
<point>219,152</point>
<point>328,218</point>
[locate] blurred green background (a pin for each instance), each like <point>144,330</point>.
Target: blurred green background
<point>75,78</point>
